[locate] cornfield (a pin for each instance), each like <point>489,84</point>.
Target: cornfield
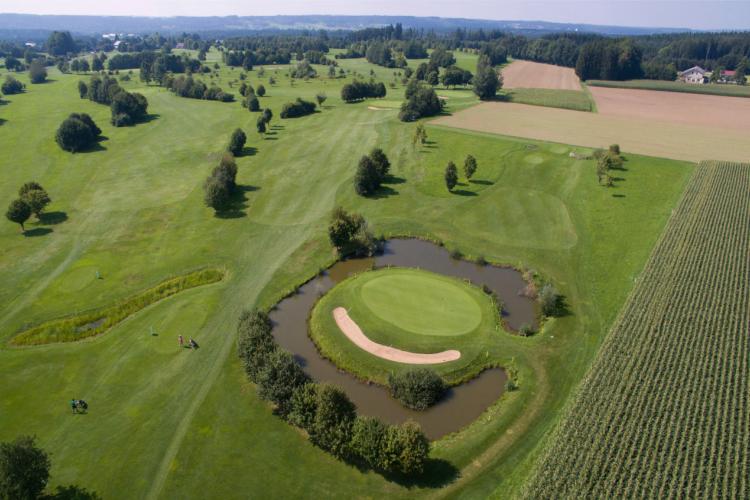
<point>664,411</point>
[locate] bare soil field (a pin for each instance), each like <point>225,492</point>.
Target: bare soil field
<point>682,139</point>
<point>534,75</point>
<point>731,113</point>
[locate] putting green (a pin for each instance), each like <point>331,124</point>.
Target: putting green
<point>421,303</point>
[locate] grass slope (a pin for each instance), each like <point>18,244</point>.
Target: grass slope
<point>577,100</point>
<point>416,311</point>
<point>664,410</point>
<point>168,422</point>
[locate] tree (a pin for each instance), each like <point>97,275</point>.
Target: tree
<point>255,343</point>
<point>404,449</point>
<point>331,71</point>
<point>334,418</point>
<point>279,379</point>
<point>252,103</point>
<point>304,406</point>
<point>382,164</point>
<point>349,234</point>
<point>260,124</point>
<point>60,43</point>
<point>261,90</point>
<point>35,196</point>
<point>24,469</point>
<point>19,212</point>
<point>451,176</point>
<point>367,179</point>
<point>128,108</point>
<point>77,133</point>
<point>237,142</point>
<point>267,115</point>
<point>421,103</point>
<point>454,76</point>
<point>549,300</point>
<point>298,108</point>
<point>12,86</point>
<point>97,64</point>
<point>486,81</point>
<point>321,98</point>
<point>740,72</point>
<point>470,166</point>
<point>83,89</point>
<point>432,78</point>
<point>420,135</point>
<point>216,194</point>
<point>367,439</point>
<point>417,388</point>
<point>37,72</point>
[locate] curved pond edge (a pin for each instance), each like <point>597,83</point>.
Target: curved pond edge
<point>457,411</point>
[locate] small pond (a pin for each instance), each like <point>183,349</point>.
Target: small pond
<point>462,404</point>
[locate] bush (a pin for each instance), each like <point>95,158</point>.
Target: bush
<point>350,235</point>
<point>304,406</point>
<point>526,330</point>
<point>128,109</point>
<point>422,101</point>
<point>404,449</point>
<point>237,142</point>
<point>334,419</point>
<point>37,72</point>
<point>76,133</point>
<point>357,91</point>
<point>255,343</point>
<point>367,179</point>
<point>297,108</point>
<point>252,103</point>
<point>549,299</point>
<point>367,440</point>
<point>417,388</point>
<point>12,86</point>
<point>24,469</point>
<point>279,378</point>
<point>220,185</point>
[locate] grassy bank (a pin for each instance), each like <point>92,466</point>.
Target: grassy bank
<point>576,100</point>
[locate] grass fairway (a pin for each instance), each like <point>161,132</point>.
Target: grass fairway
<point>421,303</point>
<point>415,311</point>
<point>577,100</point>
<point>170,423</point>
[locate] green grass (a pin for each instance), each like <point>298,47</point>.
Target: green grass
<point>168,422</point>
<point>420,303</point>
<point>576,100</point>
<point>710,88</point>
<point>92,323</point>
<point>415,311</point>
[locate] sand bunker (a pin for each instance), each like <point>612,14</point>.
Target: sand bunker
<point>355,334</point>
<point>375,108</point>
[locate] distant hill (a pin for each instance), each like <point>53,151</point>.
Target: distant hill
<point>25,25</point>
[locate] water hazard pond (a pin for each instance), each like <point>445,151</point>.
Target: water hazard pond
<point>462,404</point>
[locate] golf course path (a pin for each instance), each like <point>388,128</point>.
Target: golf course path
<point>350,328</point>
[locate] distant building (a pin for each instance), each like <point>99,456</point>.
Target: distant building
<point>179,46</point>
<point>117,44</point>
<point>695,75</point>
<point>109,36</point>
<point>30,44</point>
<point>727,76</point>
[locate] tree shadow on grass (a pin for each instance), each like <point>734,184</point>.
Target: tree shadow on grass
<point>616,195</point>
<point>248,151</point>
<point>72,492</point>
<point>37,231</point>
<point>481,182</point>
<point>149,118</point>
<point>463,192</point>
<point>437,474</point>
<point>383,192</point>
<point>237,204</point>
<point>392,179</point>
<point>52,218</point>
<point>2,121</point>
<point>277,127</point>
<point>562,308</point>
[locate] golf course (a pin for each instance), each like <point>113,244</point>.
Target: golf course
<point>127,216</point>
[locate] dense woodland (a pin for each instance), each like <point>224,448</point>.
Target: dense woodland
<point>593,56</point>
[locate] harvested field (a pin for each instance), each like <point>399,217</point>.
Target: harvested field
<point>665,409</point>
<point>676,139</point>
<point>731,113</point>
<point>534,75</point>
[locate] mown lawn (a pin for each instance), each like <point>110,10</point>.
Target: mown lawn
<point>172,423</point>
<point>710,88</point>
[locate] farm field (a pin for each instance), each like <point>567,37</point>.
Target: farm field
<point>710,88</point>
<point>679,108</point>
<point>665,410</point>
<point>530,74</point>
<point>684,141</point>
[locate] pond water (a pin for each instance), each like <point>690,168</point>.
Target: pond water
<point>462,404</point>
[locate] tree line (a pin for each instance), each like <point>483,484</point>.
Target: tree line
<point>128,108</point>
<point>324,411</point>
<point>192,88</point>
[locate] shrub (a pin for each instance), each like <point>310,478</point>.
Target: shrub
<point>526,330</point>
<point>37,72</point>
<point>255,343</point>
<point>304,406</point>
<point>127,108</point>
<point>404,449</point>
<point>456,254</point>
<point>12,86</point>
<point>614,149</point>
<point>77,133</point>
<point>334,419</point>
<point>422,101</point>
<point>417,388</point>
<point>297,108</point>
<point>350,235</point>
<point>279,378</point>
<point>237,142</point>
<point>367,440</point>
<point>549,299</point>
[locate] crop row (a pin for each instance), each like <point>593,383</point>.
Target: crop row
<point>665,409</point>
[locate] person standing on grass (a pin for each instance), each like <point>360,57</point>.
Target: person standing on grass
<point>181,340</point>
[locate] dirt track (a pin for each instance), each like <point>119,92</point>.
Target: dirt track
<point>669,136</point>
<point>528,74</point>
<point>350,328</point>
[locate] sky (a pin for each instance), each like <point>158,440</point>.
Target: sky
<point>697,14</point>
